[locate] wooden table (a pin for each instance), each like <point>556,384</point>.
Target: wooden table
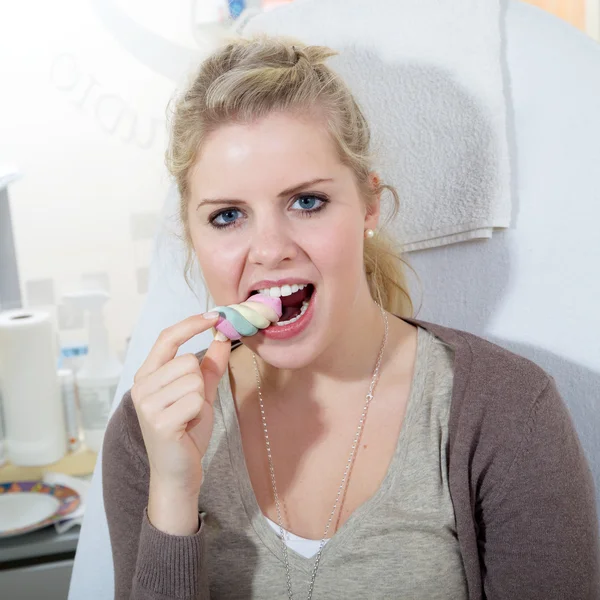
<point>77,464</point>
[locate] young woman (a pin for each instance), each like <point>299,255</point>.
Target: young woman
<point>348,451</point>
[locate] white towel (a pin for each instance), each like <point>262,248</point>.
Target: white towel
<point>428,74</point>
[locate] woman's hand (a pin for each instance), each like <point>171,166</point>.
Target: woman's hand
<point>173,398</point>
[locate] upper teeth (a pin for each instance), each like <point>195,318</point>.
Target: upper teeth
<point>284,290</point>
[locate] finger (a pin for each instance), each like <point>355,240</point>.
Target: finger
<point>213,367</point>
<point>192,424</point>
<point>174,420</point>
<point>175,369</point>
<point>169,341</point>
<point>156,402</point>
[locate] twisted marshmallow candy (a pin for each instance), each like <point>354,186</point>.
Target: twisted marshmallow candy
<point>244,319</point>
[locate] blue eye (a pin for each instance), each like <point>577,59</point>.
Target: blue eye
<point>308,201</point>
<point>308,204</point>
<point>225,218</point>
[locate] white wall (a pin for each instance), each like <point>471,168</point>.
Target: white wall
<point>84,87</point>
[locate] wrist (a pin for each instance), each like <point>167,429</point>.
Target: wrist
<point>172,511</point>
<point>167,489</point>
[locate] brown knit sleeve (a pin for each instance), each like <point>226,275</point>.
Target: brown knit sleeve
<point>148,563</point>
<point>538,537</point>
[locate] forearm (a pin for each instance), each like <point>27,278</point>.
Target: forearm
<point>150,564</point>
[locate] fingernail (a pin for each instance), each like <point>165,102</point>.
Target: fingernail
<point>221,337</point>
<point>211,315</point>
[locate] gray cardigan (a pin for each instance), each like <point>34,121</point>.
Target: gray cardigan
<point>521,487</point>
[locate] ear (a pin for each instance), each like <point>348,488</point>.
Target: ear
<point>373,211</point>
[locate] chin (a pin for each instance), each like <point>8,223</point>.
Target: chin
<point>297,345</point>
<point>293,358</point>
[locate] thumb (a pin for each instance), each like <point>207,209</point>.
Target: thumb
<point>213,367</point>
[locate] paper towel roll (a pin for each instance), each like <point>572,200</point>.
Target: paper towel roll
<point>34,421</point>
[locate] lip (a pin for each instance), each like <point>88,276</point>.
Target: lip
<point>286,332</point>
<point>269,283</point>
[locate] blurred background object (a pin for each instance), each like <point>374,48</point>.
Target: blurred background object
<point>583,14</point>
<point>10,287</point>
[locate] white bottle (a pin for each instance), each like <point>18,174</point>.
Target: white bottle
<point>99,375</point>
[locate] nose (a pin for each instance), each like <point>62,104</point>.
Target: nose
<point>271,244</point>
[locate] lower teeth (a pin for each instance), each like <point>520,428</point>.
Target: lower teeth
<point>302,311</point>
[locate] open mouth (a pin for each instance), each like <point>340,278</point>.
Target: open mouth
<point>294,305</point>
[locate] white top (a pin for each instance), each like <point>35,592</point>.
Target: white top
<point>303,546</point>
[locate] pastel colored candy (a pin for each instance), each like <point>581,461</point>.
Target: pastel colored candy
<point>245,319</point>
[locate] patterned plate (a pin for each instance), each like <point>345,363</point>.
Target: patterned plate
<point>29,505</point>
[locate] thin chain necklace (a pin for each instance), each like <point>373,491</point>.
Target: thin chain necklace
<point>363,416</point>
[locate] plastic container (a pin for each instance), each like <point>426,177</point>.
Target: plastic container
<point>98,377</point>
<point>72,357</point>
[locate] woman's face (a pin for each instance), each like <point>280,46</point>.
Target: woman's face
<point>271,201</point>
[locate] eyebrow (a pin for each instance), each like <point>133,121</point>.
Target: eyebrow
<point>284,193</point>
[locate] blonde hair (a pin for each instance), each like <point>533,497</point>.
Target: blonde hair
<point>248,78</point>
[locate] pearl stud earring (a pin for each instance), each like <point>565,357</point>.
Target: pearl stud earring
<point>369,233</point>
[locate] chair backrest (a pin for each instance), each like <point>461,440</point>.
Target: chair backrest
<point>532,288</point>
